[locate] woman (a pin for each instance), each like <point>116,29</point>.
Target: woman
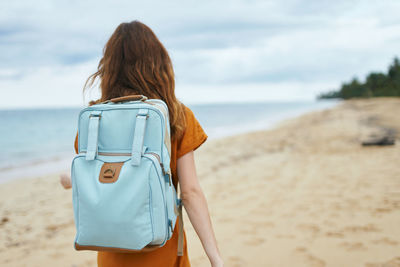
<point>135,62</point>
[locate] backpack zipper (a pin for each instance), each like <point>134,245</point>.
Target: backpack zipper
<point>159,161</point>
<point>164,196</point>
<point>129,154</point>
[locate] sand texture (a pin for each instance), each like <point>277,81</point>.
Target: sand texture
<point>305,193</point>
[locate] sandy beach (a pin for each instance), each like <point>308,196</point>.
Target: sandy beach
<point>304,193</point>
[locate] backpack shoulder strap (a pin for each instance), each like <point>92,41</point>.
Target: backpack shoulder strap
<point>138,136</point>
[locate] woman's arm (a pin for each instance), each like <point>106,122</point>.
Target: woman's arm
<point>195,205</point>
<point>65,179</point>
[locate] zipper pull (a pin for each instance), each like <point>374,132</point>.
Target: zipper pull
<point>165,173</point>
<point>162,168</point>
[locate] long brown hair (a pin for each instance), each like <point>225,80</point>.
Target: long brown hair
<point>135,62</point>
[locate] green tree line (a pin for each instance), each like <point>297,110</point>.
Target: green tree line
<point>376,84</point>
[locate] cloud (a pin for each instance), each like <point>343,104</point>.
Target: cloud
<point>309,45</point>
<point>48,87</point>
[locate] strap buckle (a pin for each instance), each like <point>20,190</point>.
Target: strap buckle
<point>95,115</point>
<point>143,115</point>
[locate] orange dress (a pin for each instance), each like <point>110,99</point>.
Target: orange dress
<point>166,256</point>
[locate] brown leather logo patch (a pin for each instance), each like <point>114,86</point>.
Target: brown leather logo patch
<point>109,172</point>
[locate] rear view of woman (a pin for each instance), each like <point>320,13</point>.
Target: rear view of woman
<point>135,62</point>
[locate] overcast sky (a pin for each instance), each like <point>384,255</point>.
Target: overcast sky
<point>222,50</point>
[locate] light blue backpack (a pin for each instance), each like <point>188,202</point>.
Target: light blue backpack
<point>123,196</point>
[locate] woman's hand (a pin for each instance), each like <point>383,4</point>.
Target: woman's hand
<point>217,262</point>
<point>65,181</point>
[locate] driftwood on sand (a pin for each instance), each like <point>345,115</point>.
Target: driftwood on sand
<point>379,141</point>
<point>384,137</point>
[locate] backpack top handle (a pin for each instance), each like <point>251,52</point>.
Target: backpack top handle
<point>128,98</point>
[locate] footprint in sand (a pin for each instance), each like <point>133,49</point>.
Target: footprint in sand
<point>4,220</point>
<point>356,246</point>
<point>301,249</point>
<point>235,261</point>
<point>315,262</point>
<point>255,241</point>
<point>52,229</point>
<point>380,211</point>
<point>310,228</point>
<point>368,228</point>
<point>334,234</point>
<point>385,241</point>
<point>261,224</point>
<point>391,263</point>
<point>311,260</point>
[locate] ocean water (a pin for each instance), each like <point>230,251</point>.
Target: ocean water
<point>40,141</point>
